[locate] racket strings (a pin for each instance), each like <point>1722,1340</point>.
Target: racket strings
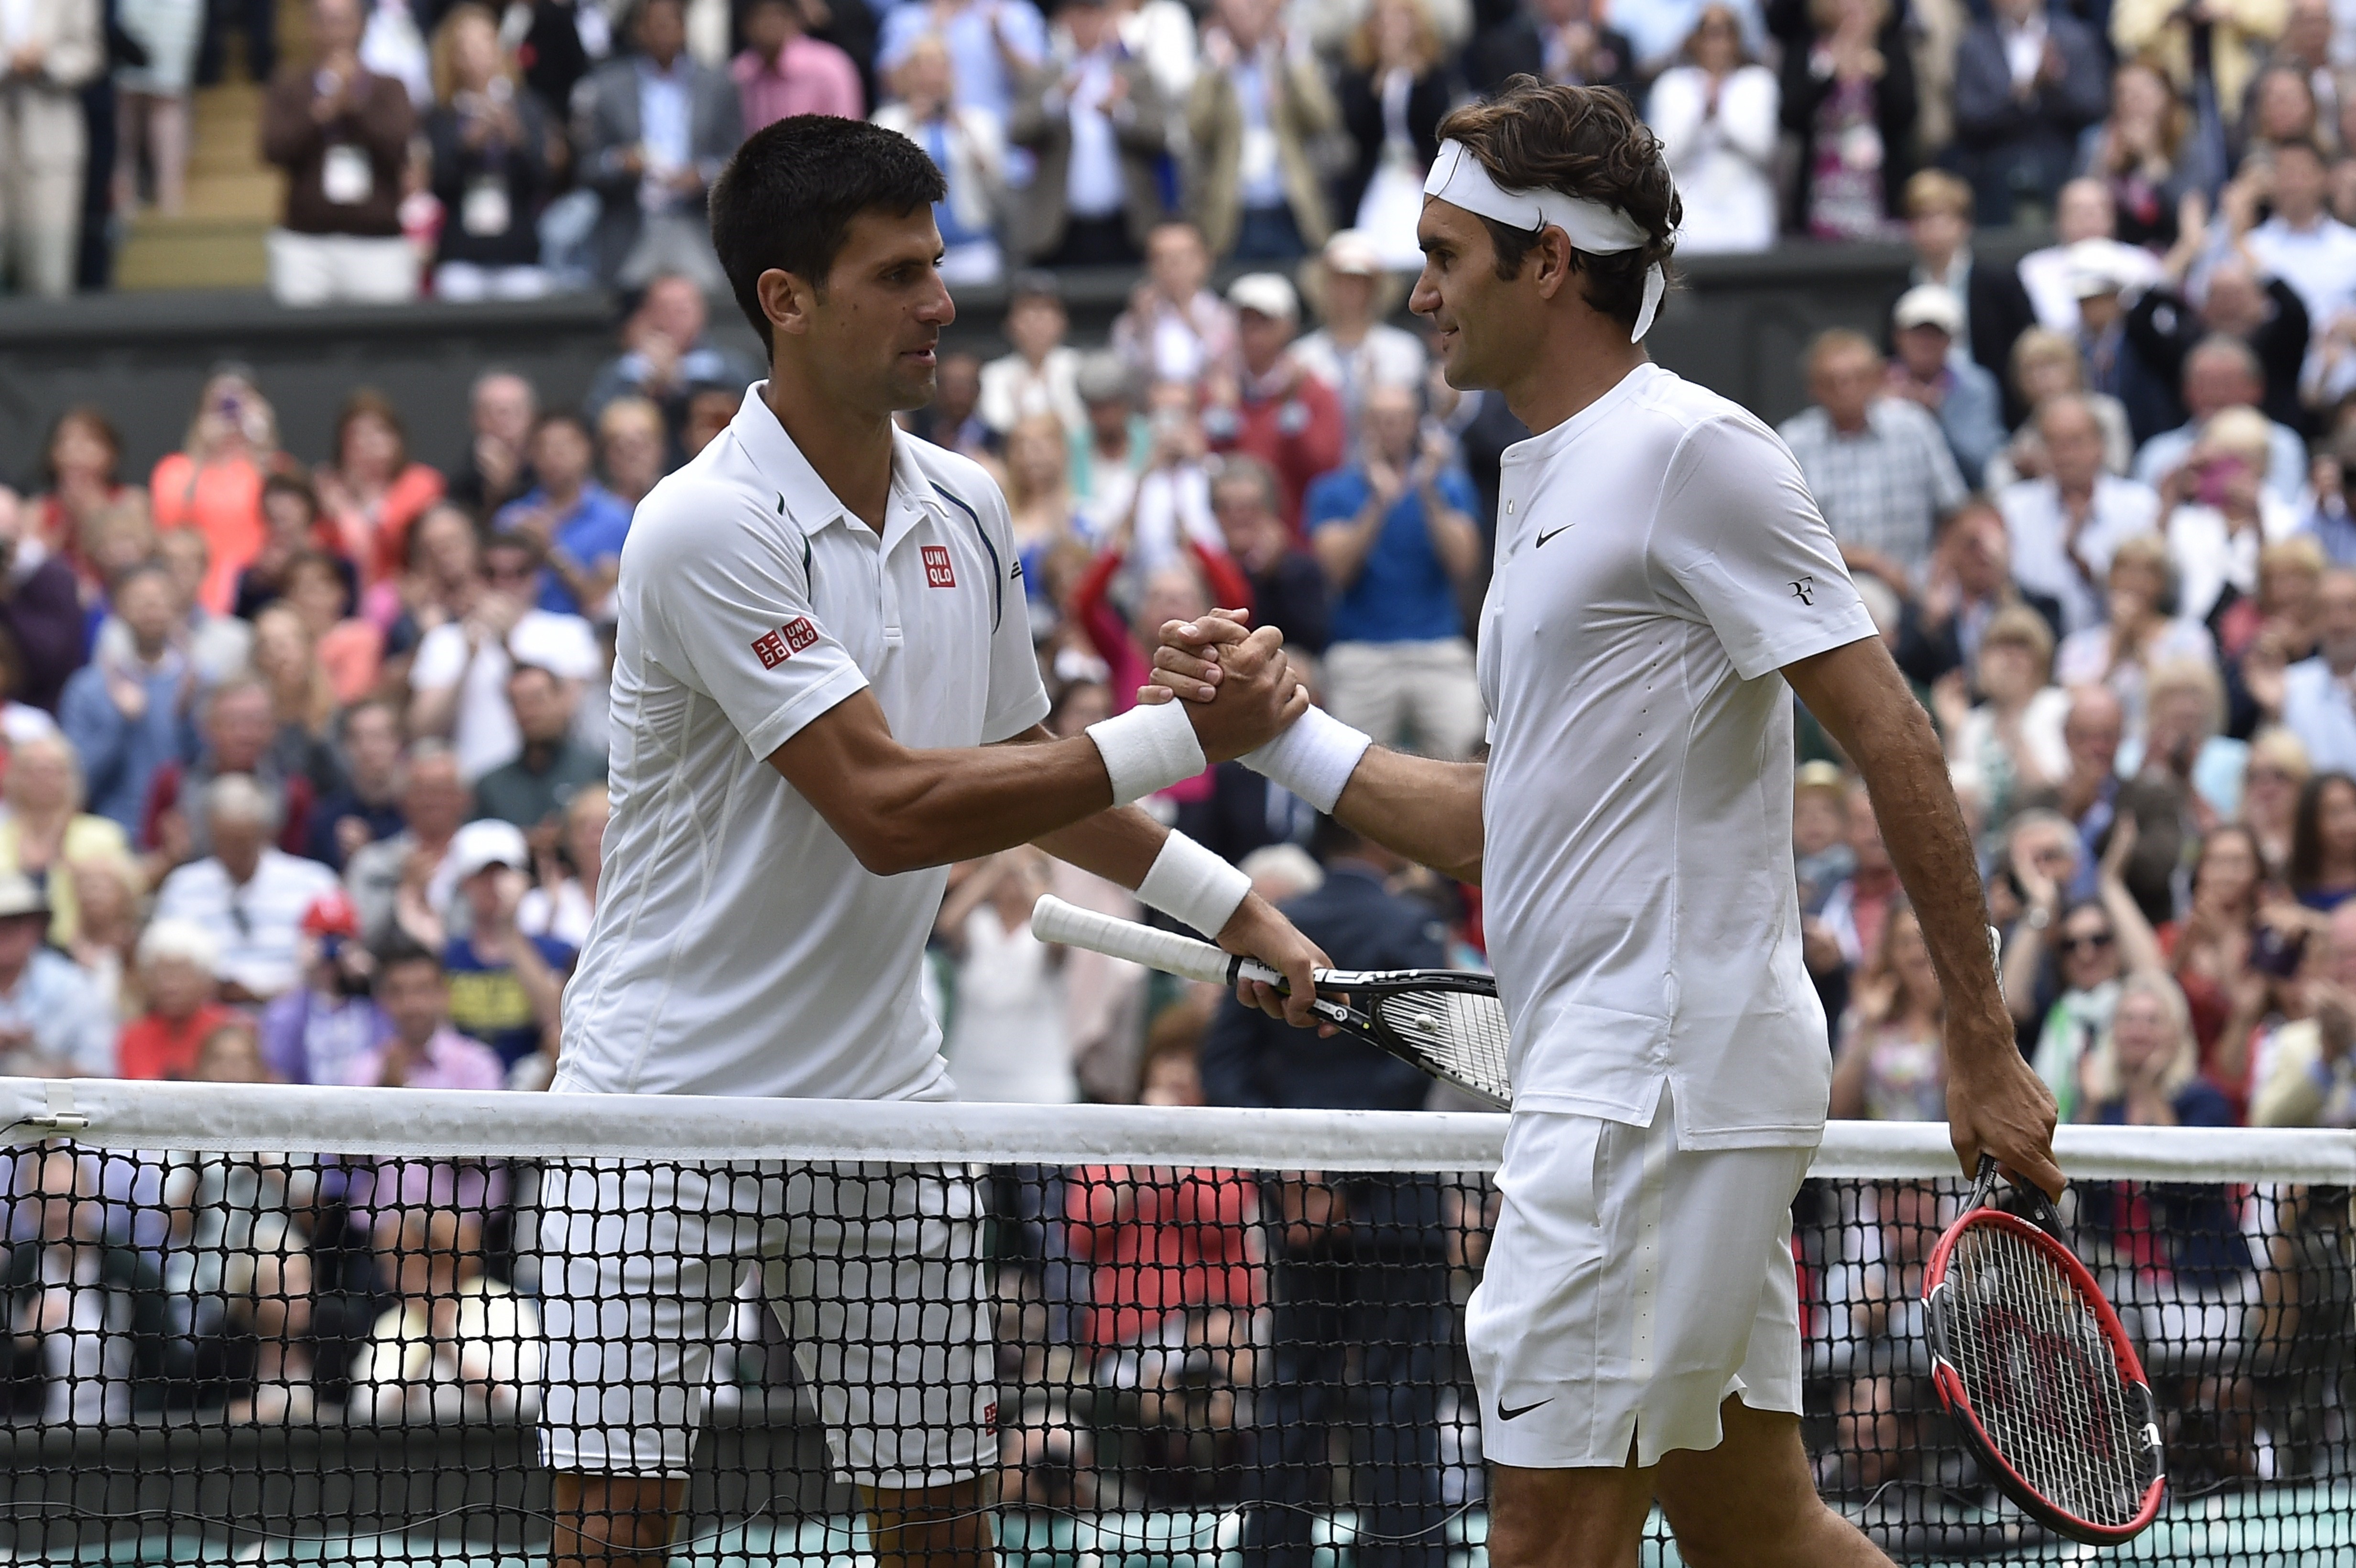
<point>2041,1378</point>
<point>1461,1033</point>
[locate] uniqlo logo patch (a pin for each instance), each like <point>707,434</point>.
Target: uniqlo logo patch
<point>785,642</point>
<point>937,573</point>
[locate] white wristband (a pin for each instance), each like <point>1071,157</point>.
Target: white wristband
<point>1189,883</point>
<point>1314,759</point>
<point>1150,747</point>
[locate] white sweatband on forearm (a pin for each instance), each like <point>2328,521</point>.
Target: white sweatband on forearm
<point>1189,883</point>
<point>1149,747</point>
<point>1314,759</point>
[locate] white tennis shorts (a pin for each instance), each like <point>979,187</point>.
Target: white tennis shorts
<point>874,1271</point>
<point>1631,1287</point>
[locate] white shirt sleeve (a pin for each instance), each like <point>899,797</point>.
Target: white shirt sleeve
<point>441,661</point>
<point>728,611</point>
<point>1738,540</point>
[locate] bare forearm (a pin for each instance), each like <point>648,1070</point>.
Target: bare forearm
<point>1428,810</point>
<point>1118,845</point>
<point>930,807</point>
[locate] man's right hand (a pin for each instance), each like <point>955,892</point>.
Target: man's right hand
<point>1259,695</point>
<point>1187,663</point>
<point>1996,1104</point>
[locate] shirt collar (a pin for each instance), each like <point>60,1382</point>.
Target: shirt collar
<point>804,498</point>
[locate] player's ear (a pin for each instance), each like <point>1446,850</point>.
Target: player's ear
<point>1549,263</point>
<point>787,299</point>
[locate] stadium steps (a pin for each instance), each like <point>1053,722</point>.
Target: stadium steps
<point>218,241</point>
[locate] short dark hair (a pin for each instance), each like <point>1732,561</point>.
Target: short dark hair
<point>402,951</point>
<point>572,417</point>
<point>1585,142</point>
<point>295,485</point>
<point>788,194</point>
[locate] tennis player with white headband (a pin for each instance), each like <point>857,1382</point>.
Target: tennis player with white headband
<point>1664,585</point>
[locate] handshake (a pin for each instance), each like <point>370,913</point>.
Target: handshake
<point>1241,691</point>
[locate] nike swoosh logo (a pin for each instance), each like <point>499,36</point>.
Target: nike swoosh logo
<point>1504,1413</point>
<point>1543,538</point>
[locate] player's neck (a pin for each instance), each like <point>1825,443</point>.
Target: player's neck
<point>1581,360</point>
<point>851,449</point>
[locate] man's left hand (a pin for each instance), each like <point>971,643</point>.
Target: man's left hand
<point>1257,931</point>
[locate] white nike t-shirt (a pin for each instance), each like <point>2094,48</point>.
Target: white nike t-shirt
<point>1659,558</point>
<point>739,947</point>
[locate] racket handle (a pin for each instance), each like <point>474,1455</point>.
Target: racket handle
<point>1052,920</point>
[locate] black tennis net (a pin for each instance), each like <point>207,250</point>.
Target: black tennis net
<point>271,1325</point>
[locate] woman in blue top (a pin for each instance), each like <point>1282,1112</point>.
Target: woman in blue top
<point>2323,870</point>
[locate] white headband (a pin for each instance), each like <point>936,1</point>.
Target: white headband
<point>1458,178</point>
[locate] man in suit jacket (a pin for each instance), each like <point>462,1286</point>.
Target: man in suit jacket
<point>1096,120</point>
<point>653,129</point>
<point>2028,81</point>
<point>1258,210</point>
<point>1555,40</point>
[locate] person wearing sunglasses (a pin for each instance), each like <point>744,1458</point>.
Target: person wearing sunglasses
<point>2096,943</point>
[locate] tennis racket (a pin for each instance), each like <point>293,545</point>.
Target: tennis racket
<point>1445,1022</point>
<point>2032,1362</point>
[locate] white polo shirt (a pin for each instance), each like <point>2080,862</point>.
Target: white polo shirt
<point>739,947</point>
<point>1659,558</point>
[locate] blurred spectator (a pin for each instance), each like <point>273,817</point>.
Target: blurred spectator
<point>341,133</point>
<point>1889,1064</point>
<point>532,790</point>
<point>423,1051</point>
<point>2085,226</point>
<point>43,831</point>
<point>2283,108</point>
<point>986,45</point>
<point>2223,367</point>
<point>2140,635</point>
<point>213,483</point>
<point>1006,1041</point>
<point>151,131</point>
<point>710,408</point>
<point>2213,52</point>
<point>953,419</point>
<point>1114,444</point>
<point>1969,582</point>
<point>248,889</point>
<point>1395,536</point>
<point>1175,329</point>
<point>372,493</point>
<point>2316,705</point>
<point>1288,585</point>
<point>53,1023</point>
<point>783,70</point>
<point>504,985</point>
<point>2140,152</point>
<point>1253,125</point>
<point>491,147</point>
<point>2065,527</point>
<point>500,408</point>
<point>1875,1343</point>
<point>459,681</point>
<point>1271,406</point>
<point>2302,243</point>
<point>82,1301</point>
<point>51,50</point>
<point>286,658</point>
<point>1356,348</point>
<point>457,1344</point>
<point>127,715</point>
<point>1186,579</point>
<point>1926,327</point>
<point>81,480</point>
<point>1849,92</point>
<point>1039,376</point>
<point>2310,1071</point>
<point>2097,943</point>
<point>577,523</point>
<point>2012,737</point>
<point>40,609</point>
<point>367,808</point>
<point>1717,117</point>
<point>434,803</point>
<point>2184,711</point>
<point>1856,913</point>
<point>176,961</point>
<point>1094,119</point>
<point>565,900</point>
<point>1555,40</point>
<point>1820,852</point>
<point>966,141</point>
<point>2321,870</point>
<point>239,723</point>
<point>2277,773</point>
<point>632,448</point>
<point>1396,84</point>
<point>314,1032</point>
<point>1168,505</point>
<point>1938,209</point>
<point>1877,465</point>
<point>651,130</point>
<point>292,524</point>
<point>2028,81</point>
<point>2220,513</point>
<point>218,641</point>
<point>350,651</point>
<point>2047,365</point>
<point>1040,504</point>
<point>2235,914</point>
<point>667,352</point>
<point>2092,796</point>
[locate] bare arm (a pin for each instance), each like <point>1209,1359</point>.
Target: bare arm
<point>1995,1103</point>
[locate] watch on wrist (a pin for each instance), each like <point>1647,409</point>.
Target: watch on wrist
<point>2039,917</point>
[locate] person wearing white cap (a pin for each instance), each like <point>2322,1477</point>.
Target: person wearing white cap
<point>1663,587</point>
<point>1925,325</point>
<point>503,985</point>
<point>1269,404</point>
<point>1357,347</point>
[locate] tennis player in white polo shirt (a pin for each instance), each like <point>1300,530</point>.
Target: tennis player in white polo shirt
<point>1664,584</point>
<point>824,690</point>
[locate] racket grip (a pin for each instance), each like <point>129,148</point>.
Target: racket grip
<point>1052,920</point>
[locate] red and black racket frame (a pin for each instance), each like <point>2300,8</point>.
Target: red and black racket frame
<point>2043,1232</point>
